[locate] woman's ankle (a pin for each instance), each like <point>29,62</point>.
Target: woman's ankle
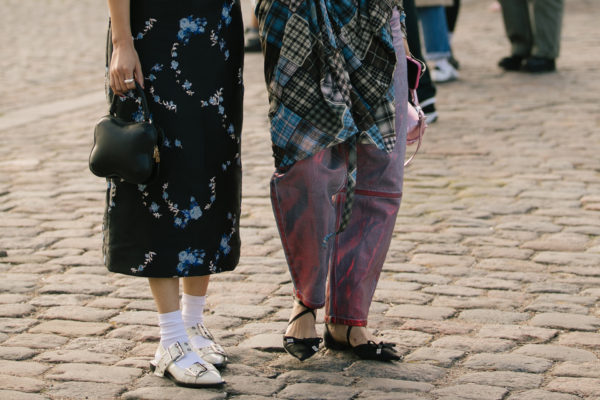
<point>352,334</point>
<point>304,326</point>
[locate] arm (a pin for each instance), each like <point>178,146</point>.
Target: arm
<point>125,62</point>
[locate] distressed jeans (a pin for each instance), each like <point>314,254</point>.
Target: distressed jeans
<point>308,200</point>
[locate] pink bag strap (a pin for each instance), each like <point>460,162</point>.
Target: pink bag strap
<point>421,125</point>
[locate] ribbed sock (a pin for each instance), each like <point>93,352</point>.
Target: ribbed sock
<point>192,310</point>
<point>172,330</point>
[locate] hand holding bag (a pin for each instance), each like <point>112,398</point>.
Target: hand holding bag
<point>126,149</point>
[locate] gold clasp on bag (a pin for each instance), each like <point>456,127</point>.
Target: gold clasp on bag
<point>156,154</point>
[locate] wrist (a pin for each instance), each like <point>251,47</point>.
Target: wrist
<point>120,41</point>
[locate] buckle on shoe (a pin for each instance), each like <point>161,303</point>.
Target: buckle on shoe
<point>177,351</point>
<point>196,369</point>
<point>205,332</point>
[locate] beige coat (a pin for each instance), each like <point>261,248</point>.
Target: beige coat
<point>430,3</point>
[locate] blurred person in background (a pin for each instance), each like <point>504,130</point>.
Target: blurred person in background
<point>252,41</point>
<point>534,36</point>
<point>432,15</point>
<point>426,90</point>
<point>451,18</point>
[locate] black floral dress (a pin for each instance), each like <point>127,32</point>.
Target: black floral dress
<point>186,222</point>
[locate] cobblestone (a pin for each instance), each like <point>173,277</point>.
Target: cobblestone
<point>93,373</point>
<point>81,390</point>
<point>587,339</point>
<point>437,356</point>
<point>508,362</point>
<point>71,328</point>
<point>578,369</point>
<point>21,384</point>
<point>541,395</point>
<point>505,379</point>
<point>22,368</point>
<point>17,353</point>
<point>77,356</point>
<point>422,312</point>
<point>473,345</point>
<point>471,392</point>
<point>490,287</point>
<point>439,327</point>
<point>161,393</point>
<point>14,395</point>
<point>408,371</point>
<point>76,313</point>
<point>493,316</point>
<point>586,387</point>
<point>566,321</point>
<point>559,353</point>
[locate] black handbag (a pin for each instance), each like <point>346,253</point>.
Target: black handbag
<point>126,149</point>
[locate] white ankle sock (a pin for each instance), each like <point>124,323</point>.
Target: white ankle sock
<point>172,330</point>
<point>192,310</point>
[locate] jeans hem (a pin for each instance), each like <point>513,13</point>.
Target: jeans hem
<point>345,321</point>
<point>308,304</point>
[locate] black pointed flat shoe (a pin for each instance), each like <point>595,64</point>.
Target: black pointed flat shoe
<point>368,351</point>
<point>302,348</point>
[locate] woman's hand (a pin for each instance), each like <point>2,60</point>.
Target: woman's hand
<point>125,68</point>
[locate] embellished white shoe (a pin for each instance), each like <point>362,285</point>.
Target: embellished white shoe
<point>196,375</point>
<point>213,353</point>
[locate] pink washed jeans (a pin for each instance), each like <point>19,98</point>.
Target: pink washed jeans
<point>342,273</point>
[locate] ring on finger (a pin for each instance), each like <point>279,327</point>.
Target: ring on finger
<point>128,81</point>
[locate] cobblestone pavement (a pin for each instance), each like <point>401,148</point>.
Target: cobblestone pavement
<point>490,289</point>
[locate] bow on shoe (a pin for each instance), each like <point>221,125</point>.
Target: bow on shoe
<point>377,351</point>
<point>381,346</point>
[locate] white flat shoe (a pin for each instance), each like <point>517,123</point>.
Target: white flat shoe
<point>213,353</point>
<point>196,375</point>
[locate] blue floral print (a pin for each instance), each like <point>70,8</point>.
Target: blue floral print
<point>182,217</point>
<point>226,19</point>
<point>224,245</point>
<point>188,259</point>
<point>149,25</point>
<point>190,26</point>
<point>148,258</point>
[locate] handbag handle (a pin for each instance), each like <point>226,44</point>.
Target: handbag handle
<point>422,124</point>
<point>142,95</point>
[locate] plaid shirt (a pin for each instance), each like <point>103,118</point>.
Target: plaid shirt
<point>329,68</point>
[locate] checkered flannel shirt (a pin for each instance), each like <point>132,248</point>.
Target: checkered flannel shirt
<point>329,68</point>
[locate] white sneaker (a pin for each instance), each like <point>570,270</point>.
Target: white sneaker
<point>199,374</point>
<point>428,107</point>
<point>443,71</point>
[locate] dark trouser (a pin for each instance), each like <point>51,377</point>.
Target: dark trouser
<point>452,15</point>
<point>308,200</point>
<point>538,36</point>
<point>426,88</point>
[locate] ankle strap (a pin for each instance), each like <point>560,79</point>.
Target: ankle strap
<point>348,333</point>
<point>307,310</point>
